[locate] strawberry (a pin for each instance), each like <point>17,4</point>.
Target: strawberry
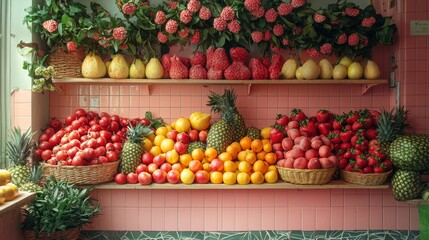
<point>387,164</point>
<point>186,61</point>
<point>350,167</point>
<point>361,161</point>
<point>346,136</point>
<point>276,136</point>
<point>334,136</point>
<point>197,72</point>
<point>362,146</point>
<point>308,127</point>
<point>323,115</point>
<point>237,70</point>
<point>368,169</point>
<point>178,70</point>
<point>352,117</point>
<point>371,133</point>
<point>297,115</point>
<point>324,128</point>
<point>342,163</point>
<point>348,154</point>
<point>214,74</point>
<point>357,125</point>
<point>198,58</point>
<point>337,124</point>
<point>259,71</point>
<point>345,146</point>
<point>372,160</point>
<point>209,57</point>
<point>238,54</point>
<point>282,120</point>
<point>379,169</point>
<point>220,59</point>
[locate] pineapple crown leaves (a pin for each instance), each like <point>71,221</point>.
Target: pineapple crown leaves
<point>19,146</point>
<point>223,103</point>
<point>36,174</point>
<point>392,123</point>
<point>138,133</point>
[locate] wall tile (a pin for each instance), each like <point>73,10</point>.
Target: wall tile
<point>132,218</point>
<point>241,219</point>
<point>158,222</point>
<point>323,218</point>
<point>117,218</point>
<point>281,218</point>
<point>295,218</point>
<point>171,219</point>
<point>228,218</point>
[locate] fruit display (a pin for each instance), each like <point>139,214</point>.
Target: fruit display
<point>8,190</point>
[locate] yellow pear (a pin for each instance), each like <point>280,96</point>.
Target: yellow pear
<point>154,69</point>
<point>118,68</point>
<point>326,69</point>
<point>289,68</point>
<point>363,62</point>
<point>339,72</point>
<point>310,70</point>
<point>298,73</point>
<point>93,66</point>
<point>371,70</point>
<point>355,71</point>
<point>346,61</point>
<point>137,69</point>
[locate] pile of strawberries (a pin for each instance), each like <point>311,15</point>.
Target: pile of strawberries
<point>352,137</point>
<point>217,64</point>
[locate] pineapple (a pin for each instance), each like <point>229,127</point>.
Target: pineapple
<point>406,185</point>
<point>253,133</point>
<point>133,148</point>
<point>390,126</point>
<point>225,104</point>
<point>34,184</point>
<point>219,136</point>
<point>19,147</point>
<point>194,145</point>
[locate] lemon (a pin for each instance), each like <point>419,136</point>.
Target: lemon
<point>243,178</point>
<point>5,177</point>
<point>182,125</point>
<point>187,176</point>
<point>2,196</point>
<point>229,178</point>
<point>8,192</point>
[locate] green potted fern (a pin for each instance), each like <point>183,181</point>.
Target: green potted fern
<point>59,211</point>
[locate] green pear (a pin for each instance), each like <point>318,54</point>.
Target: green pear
<point>326,69</point>
<point>355,71</point>
<point>298,73</point>
<point>339,72</point>
<point>137,69</point>
<point>371,70</point>
<point>118,68</point>
<point>154,69</point>
<point>346,61</point>
<point>289,69</point>
<point>310,70</point>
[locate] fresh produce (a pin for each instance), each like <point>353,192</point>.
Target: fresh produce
<point>93,66</point>
<point>118,67</point>
<point>355,71</point>
<point>133,149</point>
<point>253,132</point>
<point>8,192</point>
<point>35,180</point>
<point>5,177</point>
<point>19,147</point>
<point>177,69</point>
<point>310,70</point>
<point>137,69</point>
<point>326,69</point>
<point>406,185</point>
<point>410,152</point>
<point>371,70</point>
<point>200,121</point>
<point>289,69</point>
<point>154,69</point>
<point>339,72</point>
<point>390,125</point>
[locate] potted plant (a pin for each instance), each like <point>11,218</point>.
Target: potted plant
<point>58,211</point>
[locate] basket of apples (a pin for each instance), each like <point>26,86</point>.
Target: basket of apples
<point>307,158</point>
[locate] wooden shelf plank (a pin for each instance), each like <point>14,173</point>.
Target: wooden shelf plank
<point>417,202</point>
<point>22,199</point>
<point>335,184</point>
<point>66,80</point>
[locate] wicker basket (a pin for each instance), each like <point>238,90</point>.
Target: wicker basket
<point>69,234</point>
<point>83,175</point>
<point>368,179</point>
<point>67,64</point>
<point>306,176</point>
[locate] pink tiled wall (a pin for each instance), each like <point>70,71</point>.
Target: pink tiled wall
<point>21,109</point>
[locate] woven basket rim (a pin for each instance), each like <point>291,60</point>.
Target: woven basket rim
<point>87,166</point>
<point>366,174</point>
<point>306,170</point>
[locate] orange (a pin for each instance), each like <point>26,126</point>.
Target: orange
<point>244,166</point>
<point>172,156</point>
<point>245,143</point>
<point>265,132</point>
<point>158,140</point>
<point>162,131</point>
<point>216,177</point>
<point>236,145</point>
<point>261,155</point>
<point>260,166</point>
<point>256,145</point>
<point>232,151</point>
<point>206,166</point>
<point>272,168</point>
<point>198,154</point>
<point>241,156</point>
<point>229,166</point>
<point>195,166</point>
<point>225,157</point>
<point>185,159</point>
<point>151,137</point>
<point>8,192</point>
<point>267,147</point>
<point>167,144</point>
<point>147,144</point>
<point>229,178</point>
<point>155,150</point>
<point>271,158</point>
<point>271,176</point>
<point>265,141</point>
<point>250,157</point>
<point>257,178</point>
<point>210,154</point>
<point>243,178</point>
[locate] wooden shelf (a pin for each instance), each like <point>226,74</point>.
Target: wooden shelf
<point>366,84</point>
<point>417,202</point>
<point>22,199</point>
<point>335,184</point>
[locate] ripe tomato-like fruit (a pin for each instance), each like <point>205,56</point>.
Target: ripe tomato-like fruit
<point>132,178</point>
<point>112,155</point>
<point>121,178</point>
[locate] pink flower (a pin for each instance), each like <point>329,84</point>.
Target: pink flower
<point>71,46</point>
<point>278,30</point>
<point>219,24</point>
<point>227,13</point>
<point>252,5</point>
<point>50,25</point>
<point>298,3</point>
<point>184,33</point>
<point>284,9</point>
<point>119,33</point>
<point>335,22</point>
<point>257,36</point>
<point>342,39</point>
<point>171,26</point>
<point>234,26</point>
<point>271,15</point>
<point>297,31</point>
<point>123,46</point>
<point>160,17</point>
<point>319,18</point>
<point>326,49</point>
<point>267,36</point>
<point>352,12</point>
<point>259,12</point>
<point>129,8</point>
<point>185,16</point>
<point>368,22</point>
<point>172,5</point>
<point>285,41</point>
<point>364,41</point>
<point>196,37</point>
<point>353,39</point>
<point>194,6</point>
<point>313,52</point>
<point>205,13</point>
<point>162,38</point>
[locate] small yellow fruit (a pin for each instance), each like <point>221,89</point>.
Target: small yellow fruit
<point>118,68</point>
<point>93,66</point>
<point>243,178</point>
<point>2,196</point>
<point>346,61</point>
<point>355,71</point>
<point>8,192</point>
<point>200,121</point>
<point>183,125</point>
<point>137,69</point>
<point>187,176</point>
<point>154,69</point>
<point>5,176</point>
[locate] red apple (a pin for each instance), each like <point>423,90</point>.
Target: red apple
<point>300,163</point>
<point>280,154</point>
<point>177,166</point>
<point>180,147</point>
<point>132,178</point>
<point>281,162</point>
<point>159,160</point>
<point>202,176</point>
<point>145,178</point>
<point>289,163</point>
<point>172,134</point>
<point>314,163</point>
<point>202,135</point>
<point>311,153</point>
<point>277,147</point>
<point>182,137</point>
<point>325,163</point>
<point>147,158</point>
<point>334,160</point>
<point>166,167</point>
<point>216,165</point>
<point>152,167</point>
<point>193,135</point>
<point>159,176</point>
<point>173,176</point>
<point>121,178</point>
<point>287,144</point>
<point>195,166</point>
<point>141,168</point>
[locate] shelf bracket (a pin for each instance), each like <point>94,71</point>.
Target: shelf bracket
<point>249,87</point>
<point>366,87</point>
